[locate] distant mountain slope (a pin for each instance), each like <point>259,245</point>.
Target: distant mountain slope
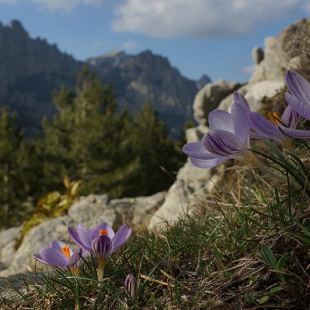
<point>30,69</point>
<point>148,77</point>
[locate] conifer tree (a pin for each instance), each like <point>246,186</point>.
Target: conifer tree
<point>11,187</point>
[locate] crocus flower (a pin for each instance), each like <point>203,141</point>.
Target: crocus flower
<point>299,99</point>
<point>60,255</point>
<point>279,129</point>
<point>131,285</point>
<point>100,241</point>
<point>228,138</point>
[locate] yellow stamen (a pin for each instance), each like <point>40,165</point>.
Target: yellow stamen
<point>275,118</point>
<point>66,251</point>
<point>103,232</point>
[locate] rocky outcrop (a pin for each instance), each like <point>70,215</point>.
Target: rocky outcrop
<point>90,211</point>
<point>266,82</point>
<point>289,50</point>
<point>208,98</point>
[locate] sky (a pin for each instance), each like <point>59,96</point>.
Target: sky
<point>213,37</point>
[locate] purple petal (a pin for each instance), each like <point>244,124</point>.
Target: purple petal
<point>131,285</point>
<point>206,164</point>
<point>197,150</point>
<point>290,118</point>
<point>299,106</point>
<point>102,246</point>
<point>298,86</point>
<point>39,258</point>
<point>219,119</point>
<point>76,257</point>
<point>265,128</point>
<point>241,122</point>
<point>53,257</point>
<point>121,237</point>
<point>81,237</point>
<point>103,226</point>
<point>57,245</point>
<point>295,133</point>
<point>223,143</point>
<point>256,136</point>
<point>239,98</point>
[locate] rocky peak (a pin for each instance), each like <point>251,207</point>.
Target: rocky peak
<point>204,80</point>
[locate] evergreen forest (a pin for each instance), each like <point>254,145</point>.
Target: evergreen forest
<point>90,142</point>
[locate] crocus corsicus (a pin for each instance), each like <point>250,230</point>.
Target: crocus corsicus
<point>299,99</point>
<point>279,129</point>
<point>131,285</point>
<point>60,255</point>
<point>228,138</point>
<point>100,241</point>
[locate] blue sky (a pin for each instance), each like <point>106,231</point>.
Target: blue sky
<point>213,37</point>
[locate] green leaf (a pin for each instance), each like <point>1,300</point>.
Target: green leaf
<point>263,300</point>
<point>276,289</point>
<point>269,256</point>
<point>282,261</point>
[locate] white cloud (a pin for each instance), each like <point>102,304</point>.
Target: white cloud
<point>130,45</point>
<point>66,5</point>
<point>200,18</point>
<point>248,69</point>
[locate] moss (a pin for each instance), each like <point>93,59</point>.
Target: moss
<point>52,205</point>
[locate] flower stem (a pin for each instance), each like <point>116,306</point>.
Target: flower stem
<point>256,163</point>
<point>101,265</point>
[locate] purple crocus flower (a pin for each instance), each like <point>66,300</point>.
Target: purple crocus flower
<point>100,241</point>
<point>131,285</point>
<point>279,129</point>
<point>228,138</point>
<point>299,98</point>
<point>60,255</point>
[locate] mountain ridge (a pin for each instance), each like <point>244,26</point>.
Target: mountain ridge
<point>30,69</point>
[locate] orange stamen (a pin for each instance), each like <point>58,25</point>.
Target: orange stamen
<point>66,251</point>
<point>275,118</point>
<point>103,232</point>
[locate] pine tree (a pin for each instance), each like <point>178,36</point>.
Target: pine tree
<point>11,187</point>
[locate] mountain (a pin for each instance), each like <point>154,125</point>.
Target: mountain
<point>148,77</point>
<point>30,69</point>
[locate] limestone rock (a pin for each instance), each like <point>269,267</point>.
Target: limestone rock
<point>227,102</point>
<point>209,97</point>
<point>271,67</point>
<point>257,54</point>
<point>195,134</point>
<point>260,90</point>
<point>89,211</point>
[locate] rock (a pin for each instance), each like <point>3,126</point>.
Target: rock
<point>287,51</point>
<point>195,134</point>
<point>227,102</point>
<point>204,80</point>
<point>271,67</point>
<point>257,55</point>
<point>192,183</point>
<point>7,250</point>
<point>89,211</point>
<point>145,207</point>
<point>209,97</point>
<point>260,90</point>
